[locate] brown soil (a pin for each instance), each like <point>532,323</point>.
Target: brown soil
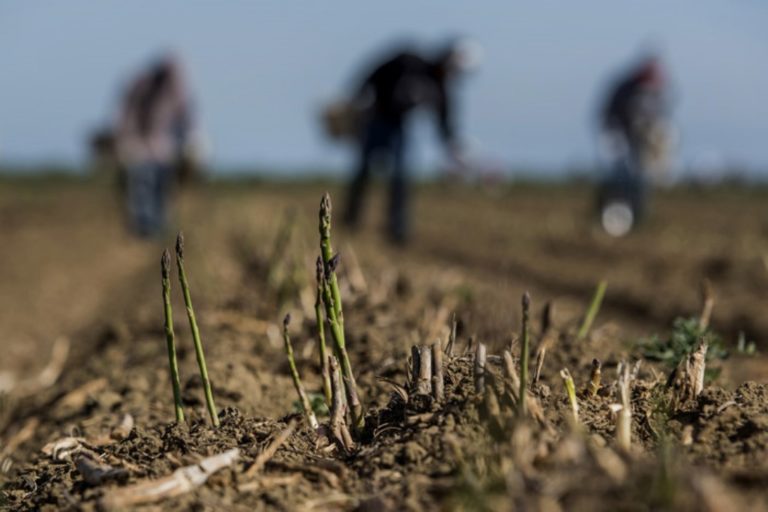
<point>474,256</point>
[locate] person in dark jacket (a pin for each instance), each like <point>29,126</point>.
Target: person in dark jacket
<point>388,94</point>
<point>634,104</point>
<point>633,122</point>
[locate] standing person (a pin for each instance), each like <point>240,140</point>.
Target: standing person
<point>153,128</point>
<point>634,137</point>
<point>392,90</point>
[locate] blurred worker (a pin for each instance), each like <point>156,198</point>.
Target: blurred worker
<point>635,139</point>
<point>153,129</point>
<point>389,92</point>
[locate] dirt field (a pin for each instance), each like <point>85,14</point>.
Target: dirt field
<point>81,305</point>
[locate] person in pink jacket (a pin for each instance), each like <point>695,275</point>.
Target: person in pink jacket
<point>153,126</point>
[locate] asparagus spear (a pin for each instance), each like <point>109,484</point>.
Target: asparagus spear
<point>525,348</point>
<point>195,331</point>
<point>320,319</point>
<point>327,253</point>
<point>165,267</point>
<point>333,310</point>
<point>305,404</point>
<point>594,307</point>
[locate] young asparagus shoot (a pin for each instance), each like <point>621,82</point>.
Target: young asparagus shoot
<point>594,307</point>
<point>333,311</point>
<point>524,350</point>
<point>570,389</point>
<point>283,237</point>
<point>337,332</point>
<point>195,331</point>
<point>165,269</point>
<point>326,250</point>
<point>623,410</point>
<point>303,398</point>
<point>594,379</point>
<point>320,319</point>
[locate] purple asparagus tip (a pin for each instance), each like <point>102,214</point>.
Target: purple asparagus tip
<point>165,263</point>
<point>180,245</point>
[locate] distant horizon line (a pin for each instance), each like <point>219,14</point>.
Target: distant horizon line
<point>524,172</point>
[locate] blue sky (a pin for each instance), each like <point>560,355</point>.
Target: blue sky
<point>261,70</point>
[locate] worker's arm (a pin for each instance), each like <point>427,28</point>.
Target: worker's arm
<point>445,115</point>
<point>446,124</point>
<point>363,95</point>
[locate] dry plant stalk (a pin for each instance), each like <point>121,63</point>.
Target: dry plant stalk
<point>593,386</point>
<point>424,381</point>
<point>94,471</point>
<point>544,345</point>
<point>480,357</point>
<point>181,481</point>
<point>46,378</point>
<point>415,361</point>
<point>708,302</point>
<point>303,398</point>
<point>438,381</point>
<point>698,365</point>
<point>524,350</point>
<point>320,319</point>
<point>594,307</point>
<point>687,379</point>
<point>270,450</point>
<point>570,389</point>
<point>65,448</point>
<point>199,354</point>
<point>170,339</point>
<point>26,432</point>
<point>470,345</point>
<point>548,337</point>
<point>511,373</point>
<point>78,397</point>
<point>491,402</point>
<point>338,423</point>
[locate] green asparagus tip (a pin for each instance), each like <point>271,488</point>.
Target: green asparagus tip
<point>180,245</point>
<point>286,321</point>
<point>526,301</point>
<point>325,205</point>
<point>165,264</point>
<point>325,213</point>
